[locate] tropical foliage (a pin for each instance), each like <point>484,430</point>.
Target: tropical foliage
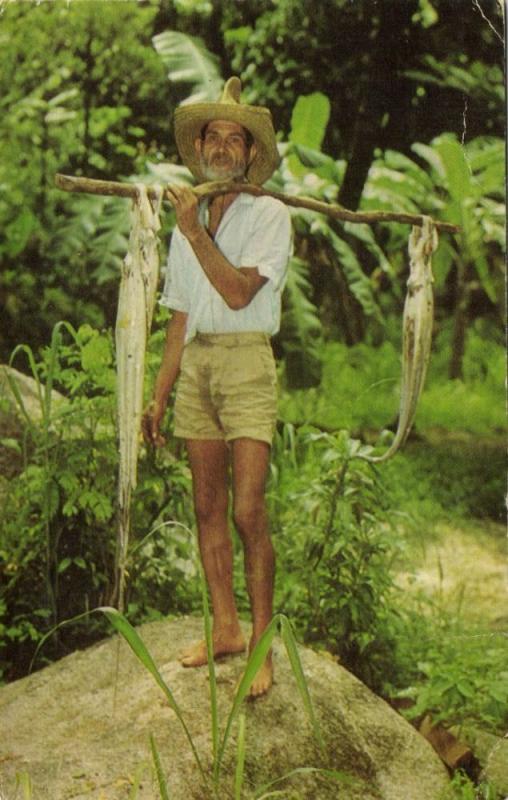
<point>94,97</point>
<point>460,185</point>
<point>64,502</point>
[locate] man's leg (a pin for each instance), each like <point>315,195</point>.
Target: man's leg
<point>251,460</point>
<point>209,462</point>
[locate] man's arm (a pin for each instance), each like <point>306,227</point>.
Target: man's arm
<point>166,377</point>
<point>237,287</point>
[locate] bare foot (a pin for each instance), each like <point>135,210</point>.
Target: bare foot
<point>197,655</point>
<point>264,678</point>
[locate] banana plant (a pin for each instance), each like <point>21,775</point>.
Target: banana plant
<point>188,61</point>
<point>328,268</point>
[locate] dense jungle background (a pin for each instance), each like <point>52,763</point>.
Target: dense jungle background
<point>378,104</point>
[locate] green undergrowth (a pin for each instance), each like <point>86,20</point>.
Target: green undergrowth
<point>59,524</point>
<point>447,478</point>
<point>342,529</point>
<point>461,787</point>
<point>360,389</point>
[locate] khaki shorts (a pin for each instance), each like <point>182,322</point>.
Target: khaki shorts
<point>227,388</point>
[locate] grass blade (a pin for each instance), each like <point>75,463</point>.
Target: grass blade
<point>264,791</point>
<point>14,385</point>
<point>240,758</point>
<point>171,523</point>
<point>256,659</point>
<point>53,630</point>
<point>24,782</point>
<point>140,650</point>
<point>163,789</point>
<point>289,640</point>
<point>54,349</point>
<point>134,790</point>
<point>211,670</point>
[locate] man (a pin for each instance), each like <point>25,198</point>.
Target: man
<point>226,270</point>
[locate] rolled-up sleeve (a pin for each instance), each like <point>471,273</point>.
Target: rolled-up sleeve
<point>269,243</point>
<point>175,294</point>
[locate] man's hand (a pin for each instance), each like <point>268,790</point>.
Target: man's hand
<point>150,424</point>
<point>185,203</point>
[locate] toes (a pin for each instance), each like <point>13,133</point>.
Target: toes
<point>262,684</point>
<point>258,691</point>
<point>194,657</point>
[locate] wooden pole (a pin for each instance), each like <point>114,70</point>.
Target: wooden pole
<point>71,183</point>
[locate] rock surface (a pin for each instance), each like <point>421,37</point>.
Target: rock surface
<point>80,728</point>
<point>492,752</point>
<point>27,387</point>
<point>12,421</point>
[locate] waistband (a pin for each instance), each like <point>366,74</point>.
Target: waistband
<point>231,339</point>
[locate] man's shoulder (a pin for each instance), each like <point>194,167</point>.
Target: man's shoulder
<point>264,204</point>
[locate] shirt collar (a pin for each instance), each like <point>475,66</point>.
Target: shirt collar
<point>243,199</point>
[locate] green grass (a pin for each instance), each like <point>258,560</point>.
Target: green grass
<point>360,390</point>
<point>461,787</point>
<point>447,478</point>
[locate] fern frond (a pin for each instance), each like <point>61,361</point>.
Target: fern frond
<point>95,235</point>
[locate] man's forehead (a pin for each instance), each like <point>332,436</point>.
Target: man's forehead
<point>225,126</point>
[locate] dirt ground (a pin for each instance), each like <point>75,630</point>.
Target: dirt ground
<point>466,569</point>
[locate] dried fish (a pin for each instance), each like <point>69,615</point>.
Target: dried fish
<point>417,330</point>
<point>136,301</point>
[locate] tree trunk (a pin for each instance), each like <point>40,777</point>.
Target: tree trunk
<point>455,369</point>
<point>383,94</point>
<point>460,318</point>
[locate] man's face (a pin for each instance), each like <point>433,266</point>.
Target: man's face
<point>223,151</point>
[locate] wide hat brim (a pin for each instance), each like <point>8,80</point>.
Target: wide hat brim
<point>190,120</point>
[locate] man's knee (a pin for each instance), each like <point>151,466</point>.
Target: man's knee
<point>210,506</point>
<point>250,518</point>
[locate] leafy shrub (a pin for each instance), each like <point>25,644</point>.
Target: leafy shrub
<point>460,674</point>
<point>163,576</point>
<point>58,536</point>
<point>338,524</point>
<point>331,530</point>
<point>358,390</point>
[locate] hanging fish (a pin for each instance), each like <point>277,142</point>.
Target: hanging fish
<point>417,330</point>
<point>140,270</point>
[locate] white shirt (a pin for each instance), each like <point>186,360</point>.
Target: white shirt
<point>254,232</point>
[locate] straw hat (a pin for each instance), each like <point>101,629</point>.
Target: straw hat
<point>190,119</point>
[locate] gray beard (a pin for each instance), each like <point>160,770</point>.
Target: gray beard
<point>212,173</point>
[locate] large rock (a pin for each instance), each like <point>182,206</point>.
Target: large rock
<point>28,390</point>
<point>81,728</point>
<point>12,419</point>
<point>492,753</point>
